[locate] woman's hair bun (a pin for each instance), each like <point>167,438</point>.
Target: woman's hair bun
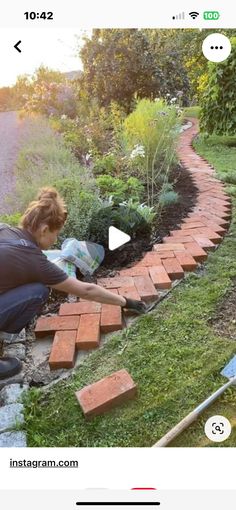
<point>48,194</point>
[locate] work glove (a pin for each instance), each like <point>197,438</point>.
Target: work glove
<point>135,306</point>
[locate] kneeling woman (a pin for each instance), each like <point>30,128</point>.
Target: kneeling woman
<point>26,274</point>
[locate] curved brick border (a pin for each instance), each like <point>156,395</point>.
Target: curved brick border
<point>181,251</point>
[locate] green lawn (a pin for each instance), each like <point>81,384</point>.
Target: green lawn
<point>173,354</point>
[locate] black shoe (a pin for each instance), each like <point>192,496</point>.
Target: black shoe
<point>9,366</point>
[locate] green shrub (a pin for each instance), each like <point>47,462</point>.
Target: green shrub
<point>129,216</point>
<point>82,205</point>
<point>150,134</point>
<point>11,219</point>
<point>133,218</point>
<point>105,164</point>
<point>118,189</point>
<point>167,195</point>
<point>218,103</point>
<point>152,125</point>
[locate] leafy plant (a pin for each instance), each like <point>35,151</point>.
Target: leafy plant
<point>119,189</point>
<point>218,104</point>
<point>167,195</point>
<point>150,133</point>
<point>11,219</point>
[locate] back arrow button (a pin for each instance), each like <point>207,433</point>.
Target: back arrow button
<point>17,46</point>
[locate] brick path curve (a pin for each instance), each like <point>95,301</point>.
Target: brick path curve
<point>181,251</point>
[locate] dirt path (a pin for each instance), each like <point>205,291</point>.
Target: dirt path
<point>10,128</point>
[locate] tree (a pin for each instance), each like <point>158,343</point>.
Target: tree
<point>218,104</point>
<point>118,66</point>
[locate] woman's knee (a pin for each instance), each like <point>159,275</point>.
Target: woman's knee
<point>40,291</point>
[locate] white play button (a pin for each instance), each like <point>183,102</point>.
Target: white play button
<point>117,238</point>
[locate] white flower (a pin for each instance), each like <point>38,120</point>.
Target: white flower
<point>63,117</point>
<point>138,150</point>
<point>173,100</point>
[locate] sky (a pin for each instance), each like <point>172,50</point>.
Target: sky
<point>54,48</point>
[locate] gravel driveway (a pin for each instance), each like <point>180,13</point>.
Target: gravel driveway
<point>10,128</point>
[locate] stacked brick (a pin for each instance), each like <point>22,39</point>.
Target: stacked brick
<point>80,325</point>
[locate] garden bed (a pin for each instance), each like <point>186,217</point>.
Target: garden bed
<point>168,220</point>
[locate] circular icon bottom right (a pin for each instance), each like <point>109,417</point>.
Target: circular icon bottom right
<point>218,428</point>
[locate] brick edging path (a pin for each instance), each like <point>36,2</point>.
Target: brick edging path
<point>84,322</point>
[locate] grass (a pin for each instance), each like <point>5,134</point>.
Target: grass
<point>191,111</point>
<point>173,354</point>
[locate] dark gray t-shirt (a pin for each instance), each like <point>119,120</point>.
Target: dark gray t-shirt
<point>20,265</point>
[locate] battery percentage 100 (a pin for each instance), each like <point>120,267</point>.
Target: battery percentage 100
<point>211,15</point>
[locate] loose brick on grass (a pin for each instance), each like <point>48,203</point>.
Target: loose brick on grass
<point>88,334</point>
<point>103,395</point>
<point>111,317</point>
<point>48,325</point>
<point>79,308</point>
<point>160,277</point>
<point>145,288</point>
<point>173,268</point>
<point>63,350</point>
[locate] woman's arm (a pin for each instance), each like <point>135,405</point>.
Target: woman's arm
<point>89,291</point>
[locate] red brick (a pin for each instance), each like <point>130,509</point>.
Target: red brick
<point>145,288</point>
<point>48,325</point>
<point>103,395</point>
<point>182,239</point>
<point>171,246</point>
<point>204,242</point>
<point>150,259</point>
<point>130,292</point>
<point>211,217</point>
<point>186,261</point>
<point>165,254</point>
<point>213,211</point>
<point>88,335</point>
<point>134,271</point>
<point>196,251</point>
<point>160,277</point>
<point>223,204</point>
<point>194,224</point>
<point>215,227</point>
<point>79,308</point>
<point>111,317</point>
<point>173,269</point>
<point>63,350</point>
<point>116,282</point>
<point>207,223</point>
<point>215,238</point>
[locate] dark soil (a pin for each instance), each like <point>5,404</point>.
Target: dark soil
<point>169,220</point>
<point>224,320</point>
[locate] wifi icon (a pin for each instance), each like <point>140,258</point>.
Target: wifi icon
<point>194,14</point>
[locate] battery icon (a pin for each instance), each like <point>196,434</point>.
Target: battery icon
<point>211,15</point>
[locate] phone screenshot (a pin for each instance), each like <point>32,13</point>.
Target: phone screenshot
<point>117,255</point>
